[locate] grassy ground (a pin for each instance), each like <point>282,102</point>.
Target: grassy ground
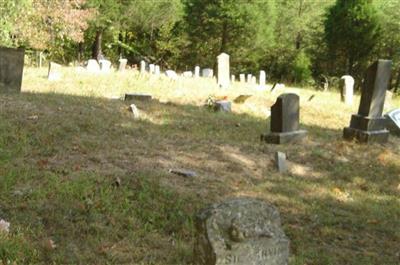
<point>82,182</point>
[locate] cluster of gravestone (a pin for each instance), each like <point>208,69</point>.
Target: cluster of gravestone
<point>246,230</point>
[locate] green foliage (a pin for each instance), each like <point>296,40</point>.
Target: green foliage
<point>301,68</point>
<point>352,32</point>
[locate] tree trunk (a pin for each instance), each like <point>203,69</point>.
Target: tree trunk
<point>396,86</point>
<point>80,51</point>
<point>121,39</point>
<point>97,44</point>
<point>224,37</point>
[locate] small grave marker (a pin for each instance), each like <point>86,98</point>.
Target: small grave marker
<point>54,73</point>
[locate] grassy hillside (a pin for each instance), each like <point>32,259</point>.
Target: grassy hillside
<point>83,182</point>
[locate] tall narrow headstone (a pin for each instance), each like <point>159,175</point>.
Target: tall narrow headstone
<point>242,78</point>
<point>263,78</point>
<point>249,78</point>
<point>369,125</point>
<point>223,70</point>
<point>240,231</point>
<point>157,70</point>
<point>122,64</point>
<point>11,69</point>
<point>285,115</point>
<point>346,89</point>
<point>142,67</point>
<point>54,73</point>
<point>151,68</point>
<point>233,78</point>
<point>197,71</point>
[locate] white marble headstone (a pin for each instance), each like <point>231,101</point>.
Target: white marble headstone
<point>223,70</point>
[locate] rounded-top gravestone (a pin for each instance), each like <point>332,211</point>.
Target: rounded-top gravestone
<point>240,231</point>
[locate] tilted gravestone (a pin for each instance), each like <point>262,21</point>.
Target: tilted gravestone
<point>369,125</point>
<point>346,89</point>
<point>393,121</point>
<point>285,114</point>
<point>54,72</point>
<point>223,70</point>
<point>240,231</point>
<point>11,69</point>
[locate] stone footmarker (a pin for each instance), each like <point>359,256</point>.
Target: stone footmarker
<point>223,106</point>
<point>280,161</point>
<point>240,231</point>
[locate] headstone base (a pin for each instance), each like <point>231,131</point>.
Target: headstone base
<point>367,124</point>
<point>223,105</point>
<point>378,136</point>
<point>138,96</point>
<point>285,137</point>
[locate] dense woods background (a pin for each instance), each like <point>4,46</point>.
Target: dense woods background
<point>301,41</point>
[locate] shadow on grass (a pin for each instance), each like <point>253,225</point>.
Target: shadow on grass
<point>84,173</point>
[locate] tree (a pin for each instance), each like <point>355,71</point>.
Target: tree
<point>243,29</point>
<point>351,32</point>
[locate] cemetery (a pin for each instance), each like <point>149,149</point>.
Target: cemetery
<point>133,160</point>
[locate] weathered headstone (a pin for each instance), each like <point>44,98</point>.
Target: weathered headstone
<point>242,78</point>
<point>393,123</point>
<point>263,78</point>
<point>240,231</point>
<point>233,78</point>
<point>93,66</point>
<point>142,67</point>
<point>105,66</point>
<point>223,106</point>
<point>138,96</point>
<point>249,78</point>
<point>157,70</point>
<point>369,125</point>
<point>346,89</point>
<point>152,67</point>
<point>280,161</point>
<point>122,64</point>
<point>223,70</point>
<point>207,72</point>
<point>54,73</point>
<point>197,71</point>
<point>285,114</point>
<point>253,80</point>
<point>187,74</point>
<point>11,69</point>
<point>171,74</point>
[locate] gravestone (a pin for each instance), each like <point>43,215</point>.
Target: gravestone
<point>157,70</point>
<point>105,66</point>
<point>253,80</point>
<point>93,66</point>
<point>151,68</point>
<point>242,78</point>
<point>187,74</point>
<point>197,71</point>
<point>233,78</point>
<point>262,80</point>
<point>207,72</point>
<point>393,121</point>
<point>249,78</point>
<point>223,70</point>
<point>369,125</point>
<point>280,161</point>
<point>138,96</point>
<point>223,106</point>
<point>122,64</point>
<point>142,67</point>
<point>285,114</point>
<point>240,231</point>
<point>54,73</point>
<point>11,69</point>
<point>346,89</point>
<point>171,74</point>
